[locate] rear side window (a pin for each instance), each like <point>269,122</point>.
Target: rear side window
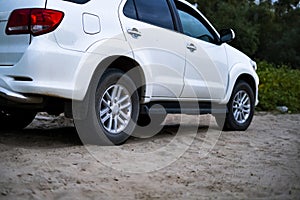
<point>129,10</point>
<point>155,12</point>
<point>78,1</point>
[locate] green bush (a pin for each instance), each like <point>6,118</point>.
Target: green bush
<point>279,86</point>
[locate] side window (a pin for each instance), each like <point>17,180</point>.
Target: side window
<point>155,12</point>
<point>193,25</point>
<point>129,10</point>
<point>78,1</point>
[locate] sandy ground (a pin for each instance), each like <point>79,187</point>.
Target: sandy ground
<point>48,161</point>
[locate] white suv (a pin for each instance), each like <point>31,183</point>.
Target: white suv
<point>109,64</point>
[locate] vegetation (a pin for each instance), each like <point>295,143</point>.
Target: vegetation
<point>279,86</point>
<point>265,31</point>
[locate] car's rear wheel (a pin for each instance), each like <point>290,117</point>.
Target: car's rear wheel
<point>15,119</point>
<point>113,108</point>
<point>240,109</point>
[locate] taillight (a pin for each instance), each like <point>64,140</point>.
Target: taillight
<point>35,21</point>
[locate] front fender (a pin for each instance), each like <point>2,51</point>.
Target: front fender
<point>236,73</point>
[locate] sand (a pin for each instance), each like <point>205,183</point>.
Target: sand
<point>48,161</point>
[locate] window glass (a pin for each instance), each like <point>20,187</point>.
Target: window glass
<point>192,24</point>
<point>78,1</point>
<point>129,10</point>
<point>156,12</point>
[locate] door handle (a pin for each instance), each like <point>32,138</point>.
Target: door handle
<point>134,32</point>
<point>191,47</point>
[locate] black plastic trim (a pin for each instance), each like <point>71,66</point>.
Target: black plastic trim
<point>191,108</point>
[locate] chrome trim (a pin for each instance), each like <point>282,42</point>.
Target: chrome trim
<point>19,98</point>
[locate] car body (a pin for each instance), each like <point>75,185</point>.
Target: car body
<point>49,65</point>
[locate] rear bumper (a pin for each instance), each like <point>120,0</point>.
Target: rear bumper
<point>19,98</point>
<point>14,100</point>
<point>45,69</point>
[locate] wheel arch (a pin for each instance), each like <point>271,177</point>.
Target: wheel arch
<point>248,79</point>
<point>88,78</point>
<point>127,65</point>
<point>242,73</point>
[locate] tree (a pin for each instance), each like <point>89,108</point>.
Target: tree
<point>233,14</point>
<point>265,31</point>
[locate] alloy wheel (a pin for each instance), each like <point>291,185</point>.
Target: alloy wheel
<point>115,109</point>
<point>241,107</point>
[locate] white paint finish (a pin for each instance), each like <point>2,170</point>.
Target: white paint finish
<point>238,64</point>
<point>93,58</point>
<point>91,23</point>
<point>13,47</point>
<point>161,54</point>
<point>206,73</point>
<point>51,68</point>
<point>8,6</point>
<point>62,63</point>
<point>71,33</point>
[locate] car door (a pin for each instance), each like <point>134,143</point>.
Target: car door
<point>206,61</point>
<point>150,30</point>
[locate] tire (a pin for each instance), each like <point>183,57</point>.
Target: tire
<point>112,110</point>
<point>145,119</point>
<point>149,125</point>
<point>240,109</point>
<point>15,119</point>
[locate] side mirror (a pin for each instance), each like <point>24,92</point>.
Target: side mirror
<point>226,35</point>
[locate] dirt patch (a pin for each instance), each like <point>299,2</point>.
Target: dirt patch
<point>48,161</point>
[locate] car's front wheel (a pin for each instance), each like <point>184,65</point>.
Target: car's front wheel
<point>240,109</point>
